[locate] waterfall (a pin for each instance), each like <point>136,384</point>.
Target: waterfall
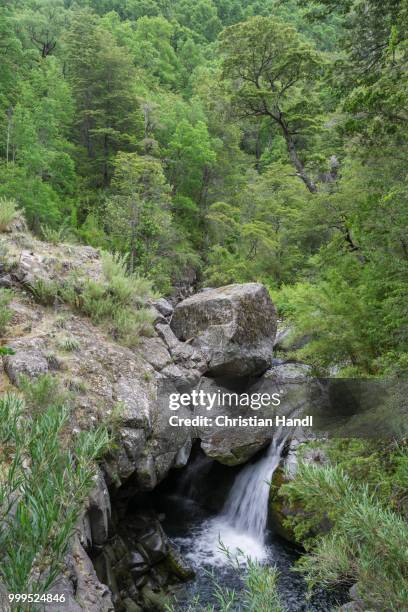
<point>246,508</point>
<point>241,525</point>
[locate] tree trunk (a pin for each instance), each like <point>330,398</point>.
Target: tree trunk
<point>300,169</point>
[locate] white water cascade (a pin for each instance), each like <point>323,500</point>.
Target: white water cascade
<point>246,508</point>
<point>241,525</point>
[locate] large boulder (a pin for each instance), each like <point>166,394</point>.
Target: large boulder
<point>231,444</point>
<point>233,326</point>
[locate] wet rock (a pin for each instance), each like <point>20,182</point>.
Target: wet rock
<point>138,565</point>
<point>99,512</point>
<point>131,606</point>
<point>154,601</point>
<point>113,568</point>
<point>177,565</point>
<point>154,544</point>
<point>183,455</point>
<point>233,326</point>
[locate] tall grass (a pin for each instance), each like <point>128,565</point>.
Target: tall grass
<point>44,483</point>
<point>8,213</point>
<point>56,235</point>
<point>118,301</point>
<point>6,295</point>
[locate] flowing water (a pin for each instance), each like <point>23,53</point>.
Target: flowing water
<point>241,527</point>
<point>246,509</point>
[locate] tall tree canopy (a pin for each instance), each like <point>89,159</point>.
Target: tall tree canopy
<point>272,132</point>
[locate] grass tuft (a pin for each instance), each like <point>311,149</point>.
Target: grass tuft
<point>8,213</point>
<point>46,292</point>
<point>118,302</point>
<point>69,344</point>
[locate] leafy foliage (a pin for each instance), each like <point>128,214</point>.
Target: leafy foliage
<point>367,542</point>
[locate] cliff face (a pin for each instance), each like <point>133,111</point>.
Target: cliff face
<point>106,382</point>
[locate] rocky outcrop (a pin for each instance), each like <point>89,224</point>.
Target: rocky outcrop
<point>280,511</point>
<point>110,383</point>
<point>139,560</point>
<point>235,445</point>
<point>80,585</point>
<point>227,331</point>
<point>233,326</point>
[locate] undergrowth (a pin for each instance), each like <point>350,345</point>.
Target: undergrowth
<point>45,480</point>
<point>367,543</point>
<point>119,301</point>
<point>8,213</point>
<point>6,295</point>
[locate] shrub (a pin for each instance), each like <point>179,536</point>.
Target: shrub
<point>8,213</point>
<point>129,326</point>
<point>8,262</point>
<point>42,392</point>
<point>119,302</point>
<point>48,497</point>
<point>6,295</point>
<point>367,544</point>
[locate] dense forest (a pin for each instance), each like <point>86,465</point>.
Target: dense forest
<point>211,142</point>
<point>223,141</point>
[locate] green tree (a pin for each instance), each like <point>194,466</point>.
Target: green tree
<point>38,154</point>
<point>107,117</point>
<point>190,155</point>
<point>13,63</point>
<point>42,22</point>
<point>272,70</point>
<point>200,16</point>
<point>154,52</point>
<point>138,206</point>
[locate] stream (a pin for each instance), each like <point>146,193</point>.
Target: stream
<point>241,527</point>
